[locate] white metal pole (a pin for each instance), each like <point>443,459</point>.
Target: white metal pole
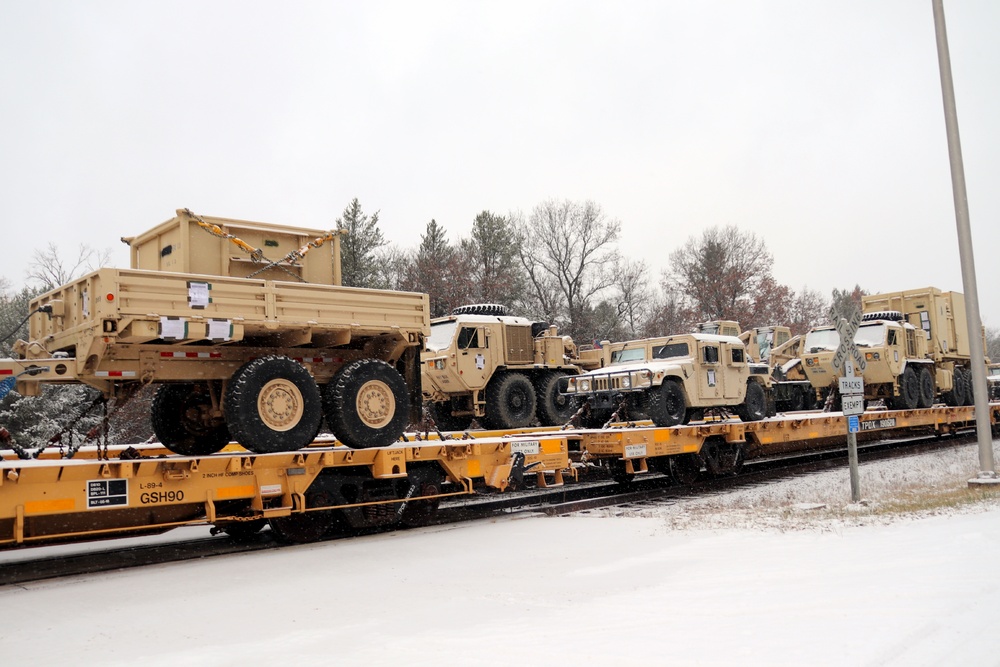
<point>986,465</point>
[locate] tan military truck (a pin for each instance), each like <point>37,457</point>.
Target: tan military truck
<point>775,346</point>
<point>993,381</point>
<point>503,370</point>
<point>674,378</point>
<point>916,349</point>
<point>780,350</point>
<point>241,346</point>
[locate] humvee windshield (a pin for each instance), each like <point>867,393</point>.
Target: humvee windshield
<point>441,335</point>
<point>628,355</point>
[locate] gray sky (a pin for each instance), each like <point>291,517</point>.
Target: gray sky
<point>818,126</point>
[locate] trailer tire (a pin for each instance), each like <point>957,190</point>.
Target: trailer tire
<point>926,396</point>
<point>667,405</point>
<point>273,405</point>
<point>909,390</point>
<point>366,404</point>
<point>684,468</point>
<point>553,408</point>
<point>754,406</point>
<point>181,423</point>
<point>510,401</point>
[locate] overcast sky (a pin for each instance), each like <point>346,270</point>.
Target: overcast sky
<point>816,125</point>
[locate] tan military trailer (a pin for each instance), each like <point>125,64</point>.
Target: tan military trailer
<point>480,362</point>
<point>248,335</point>
<point>916,349</point>
<point>674,379</point>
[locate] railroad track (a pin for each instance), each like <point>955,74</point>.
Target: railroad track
<point>579,497</point>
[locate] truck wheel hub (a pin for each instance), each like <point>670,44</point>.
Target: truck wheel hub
<point>376,404</point>
<point>280,405</point>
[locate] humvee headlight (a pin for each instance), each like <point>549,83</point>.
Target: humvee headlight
<point>626,382</point>
<point>812,361</point>
<point>438,364</point>
<point>584,385</point>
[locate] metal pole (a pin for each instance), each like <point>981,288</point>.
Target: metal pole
<point>986,464</point>
<point>852,446</point>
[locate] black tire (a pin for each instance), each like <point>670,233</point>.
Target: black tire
<point>553,408</point>
<point>510,402</point>
<point>445,421</point>
<point>909,390</point>
<point>926,396</point>
<point>956,395</point>
<point>754,406</point>
<point>970,392</point>
<point>490,309</point>
<point>182,423</point>
<point>667,405</point>
<point>273,405</point>
<point>366,404</point>
<point>684,468</point>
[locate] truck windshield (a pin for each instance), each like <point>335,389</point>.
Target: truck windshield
<point>823,339</point>
<point>764,339</point>
<point>627,355</point>
<point>870,335</point>
<point>441,336</point>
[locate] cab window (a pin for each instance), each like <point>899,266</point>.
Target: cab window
<point>468,337</point>
<point>737,355</point>
<point>710,354</point>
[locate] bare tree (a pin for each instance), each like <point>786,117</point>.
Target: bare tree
<point>568,252</point>
<point>726,274</point>
<point>51,268</point>
<point>808,309</point>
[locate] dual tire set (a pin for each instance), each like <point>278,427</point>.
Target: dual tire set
<point>515,400</point>
<point>273,404</point>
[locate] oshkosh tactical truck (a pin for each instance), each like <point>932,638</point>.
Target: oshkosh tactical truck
<point>482,363</point>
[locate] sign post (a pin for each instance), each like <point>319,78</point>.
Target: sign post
<point>852,392</point>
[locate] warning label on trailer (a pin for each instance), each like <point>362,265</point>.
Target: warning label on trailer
<point>877,424</point>
<point>528,447</point>
<point>107,493</point>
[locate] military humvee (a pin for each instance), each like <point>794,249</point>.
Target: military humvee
<point>673,378</point>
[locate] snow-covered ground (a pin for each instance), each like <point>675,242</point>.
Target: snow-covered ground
<point>784,574</point>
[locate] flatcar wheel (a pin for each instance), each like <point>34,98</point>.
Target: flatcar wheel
<point>618,472</point>
<point>301,528</point>
<point>242,531</point>
<point>685,468</point>
<point>273,405</point>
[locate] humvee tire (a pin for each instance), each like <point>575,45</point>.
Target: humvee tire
<point>666,405</point>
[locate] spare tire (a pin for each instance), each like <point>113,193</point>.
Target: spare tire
<point>490,309</point>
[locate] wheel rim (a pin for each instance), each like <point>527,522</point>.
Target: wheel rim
<point>280,405</point>
<point>375,404</point>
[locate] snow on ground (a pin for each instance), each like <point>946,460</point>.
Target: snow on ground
<point>750,577</point>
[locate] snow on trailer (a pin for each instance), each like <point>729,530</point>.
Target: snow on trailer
<point>301,494</point>
<point>721,447</point>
